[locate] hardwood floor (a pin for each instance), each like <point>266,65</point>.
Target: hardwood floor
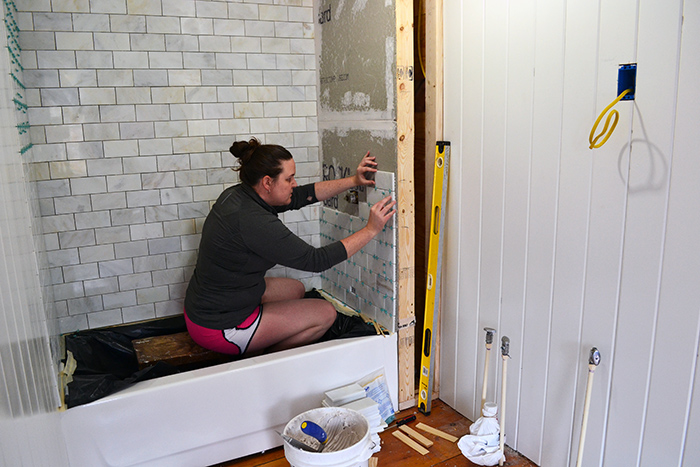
<point>394,453</point>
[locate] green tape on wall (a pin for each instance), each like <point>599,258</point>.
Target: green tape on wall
<point>19,91</point>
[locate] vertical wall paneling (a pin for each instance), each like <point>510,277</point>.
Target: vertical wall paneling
<point>645,226</point>
<point>518,145</point>
<point>567,248</point>
<point>544,170</point>
<point>676,326</point>
<point>29,424</point>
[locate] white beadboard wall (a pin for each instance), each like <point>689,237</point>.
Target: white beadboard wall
<point>133,106</point>
<point>29,424</point>
<point>563,248</point>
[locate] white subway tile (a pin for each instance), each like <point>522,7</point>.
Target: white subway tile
<point>217,77</point>
<point>93,254</point>
<point>248,110</point>
<point>94,59</point>
<point>291,93</point>
<point>144,312</point>
<point>41,78</point>
<point>303,78</point>
<point>176,195</point>
<point>119,299</point>
<point>303,46</point>
<point>164,245</point>
<point>149,263</point>
<point>104,167</point>
<point>207,160</point>
<point>169,308</point>
<point>261,61</point>
<point>151,147</point>
<point>197,26</point>
<point>53,188</point>
<point>243,11</point>
<point>67,169</point>
<point>131,59</point>
<point>104,201</point>
<point>206,192</point>
<point>179,227</point>
<point>230,61</point>
<point>101,131</point>
<point>245,44</point>
<point>164,60</point>
<point>66,291</point>
<point>128,216</point>
<point>91,220</point>
<point>203,127</point>
<point>151,78</point>
<point>181,43</point>
<point>170,276</point>
<point>186,111</point>
<point>149,42</point>
<point>91,96</point>
<point>133,95</point>
<point>304,109</point>
<point>146,231</point>
<point>213,44</point>
<point>88,185</point>
<point>135,281</point>
<point>229,27</point>
<point>120,148</point>
<point>160,214</point>
<point>76,238</point>
<point>138,130</point>
<point>301,14</point>
<point>273,13</point>
<point>163,24</point>
<point>185,77</point>
<point>74,41</point>
<point>101,286</point>
<point>283,29</point>
<point>30,40</point>
<point>126,23</point>
<point>179,8</point>
<point>143,198</point>
<point>107,6</point>
<point>111,235</point>
<point>193,210</point>
<point>168,95</point>
<point>182,259</point>
<point>52,22</point>
<point>58,97</point>
<point>208,9</point>
<point>139,165</point>
<point>123,183</point>
<point>171,129</point>
<point>143,7</point>
<point>85,150</point>
<point>81,114</point>
<point>157,180</point>
<point>259,28</point>
<point>199,60</point>
<point>152,112</point>
<point>275,45</point>
<point>45,116</point>
<point>217,110</point>
<point>238,125</point>
<point>112,41</point>
<point>115,78</point>
<point>117,113</point>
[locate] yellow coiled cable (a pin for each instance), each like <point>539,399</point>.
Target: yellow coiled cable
<point>612,115</point>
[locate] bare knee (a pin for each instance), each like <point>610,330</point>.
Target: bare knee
<point>328,314</point>
<point>299,289</point>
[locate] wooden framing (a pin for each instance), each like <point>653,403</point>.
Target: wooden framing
<point>434,102</point>
<point>405,202</point>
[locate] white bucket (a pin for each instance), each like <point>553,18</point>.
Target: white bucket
<point>348,445</point>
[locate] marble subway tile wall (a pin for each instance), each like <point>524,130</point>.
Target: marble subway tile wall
<point>133,105</point>
<point>367,280</point>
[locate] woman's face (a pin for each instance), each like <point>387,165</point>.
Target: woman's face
<point>282,186</point>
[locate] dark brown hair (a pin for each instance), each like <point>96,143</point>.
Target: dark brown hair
<point>257,160</point>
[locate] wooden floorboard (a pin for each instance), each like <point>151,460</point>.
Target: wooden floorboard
<point>395,453</point>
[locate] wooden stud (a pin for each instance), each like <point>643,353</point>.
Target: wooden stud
<point>410,443</point>
<point>436,432</point>
<point>434,126</point>
<point>405,201</point>
<point>415,435</point>
<point>373,462</point>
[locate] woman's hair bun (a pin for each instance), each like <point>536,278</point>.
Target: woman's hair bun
<point>243,150</point>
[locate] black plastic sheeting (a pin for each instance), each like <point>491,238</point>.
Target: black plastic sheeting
<point>106,360</point>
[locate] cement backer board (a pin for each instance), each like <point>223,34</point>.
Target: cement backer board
<point>357,44</point>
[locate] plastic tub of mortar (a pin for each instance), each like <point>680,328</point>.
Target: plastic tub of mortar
<point>348,444</point>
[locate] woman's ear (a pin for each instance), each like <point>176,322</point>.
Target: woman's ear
<point>267,183</point>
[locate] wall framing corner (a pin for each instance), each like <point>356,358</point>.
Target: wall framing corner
<point>405,201</point>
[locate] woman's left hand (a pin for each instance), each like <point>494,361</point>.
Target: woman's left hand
<point>366,170</point>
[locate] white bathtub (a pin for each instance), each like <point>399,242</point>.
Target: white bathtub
<point>206,416</point>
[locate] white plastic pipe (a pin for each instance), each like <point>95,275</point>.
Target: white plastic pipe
<point>503,408</point>
<point>593,362</point>
<point>486,376</point>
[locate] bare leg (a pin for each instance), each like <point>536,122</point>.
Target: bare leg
<point>278,289</point>
<point>291,323</point>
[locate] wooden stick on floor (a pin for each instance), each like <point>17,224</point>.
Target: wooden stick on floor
<point>436,432</point>
<point>373,461</point>
<point>415,435</point>
<point>409,442</point>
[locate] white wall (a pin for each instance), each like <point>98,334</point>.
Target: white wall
<point>133,106</point>
<point>29,429</point>
<point>563,248</point>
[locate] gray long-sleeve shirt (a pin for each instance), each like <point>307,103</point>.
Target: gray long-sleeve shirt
<point>242,239</point>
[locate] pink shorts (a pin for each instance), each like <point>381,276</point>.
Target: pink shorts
<point>232,341</point>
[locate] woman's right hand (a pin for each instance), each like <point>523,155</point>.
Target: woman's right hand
<point>380,214</point>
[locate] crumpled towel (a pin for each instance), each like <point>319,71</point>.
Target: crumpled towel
<point>481,450</point>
